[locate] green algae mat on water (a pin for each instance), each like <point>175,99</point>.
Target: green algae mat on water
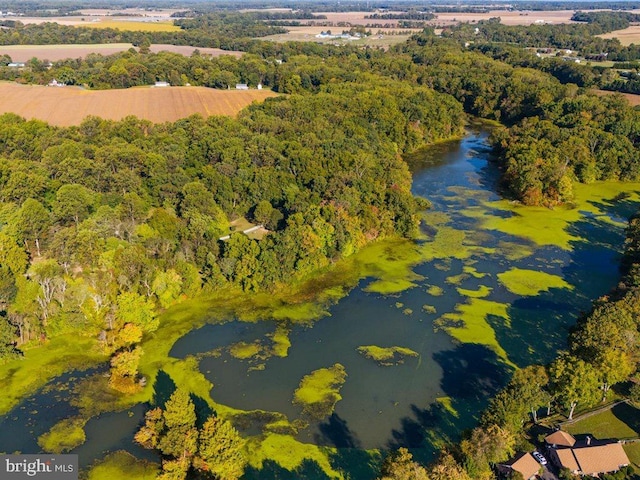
<point>318,392</point>
<point>387,356</point>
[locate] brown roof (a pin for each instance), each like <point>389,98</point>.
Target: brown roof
<point>601,458</point>
<point>567,459</point>
<point>560,438</point>
<point>526,465</point>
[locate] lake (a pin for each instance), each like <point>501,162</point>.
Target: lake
<point>497,288</point>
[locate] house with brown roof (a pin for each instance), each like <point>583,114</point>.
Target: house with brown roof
<point>525,464</point>
<point>560,439</point>
<point>591,460</point>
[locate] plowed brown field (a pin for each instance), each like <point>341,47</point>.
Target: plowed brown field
<point>64,106</point>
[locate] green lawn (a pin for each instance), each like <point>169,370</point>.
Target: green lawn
<point>633,452</point>
<point>622,421</point>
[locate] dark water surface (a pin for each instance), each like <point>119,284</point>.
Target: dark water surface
<point>424,399</point>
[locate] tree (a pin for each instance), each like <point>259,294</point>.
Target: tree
<point>401,466</point>
<point>262,212</point>
<point>32,222</point>
<point>73,202</point>
<point>167,287</point>
<point>124,370</point>
<point>180,437</point>
<point>149,434</point>
<point>613,366</point>
<point>221,450</point>
<point>573,381</point>
<point>47,274</point>
<point>138,310</point>
<point>486,447</point>
<point>446,468</point>
<point>7,339</point>
<point>529,386</point>
<point>216,448</point>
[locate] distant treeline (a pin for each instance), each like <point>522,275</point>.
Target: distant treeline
<point>224,30</point>
<point>578,37</point>
<point>607,21</point>
<point>409,15</point>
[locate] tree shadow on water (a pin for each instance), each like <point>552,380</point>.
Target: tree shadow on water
<point>335,432</point>
<point>163,388</point>
<point>541,323</point>
<point>349,456</point>
<point>203,409</point>
<point>472,371</point>
<point>416,430</point>
<point>355,463</point>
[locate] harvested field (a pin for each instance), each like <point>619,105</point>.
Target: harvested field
<point>53,53</point>
<point>632,98</point>
<point>70,105</point>
<point>133,26</point>
<point>140,12</point>
<point>627,36</point>
<point>138,24</point>
<point>524,17</point>
<point>387,37</point>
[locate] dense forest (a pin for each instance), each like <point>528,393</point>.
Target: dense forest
<point>110,217</point>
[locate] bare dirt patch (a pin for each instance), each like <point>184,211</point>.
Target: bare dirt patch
<point>70,105</point>
<point>53,53</point>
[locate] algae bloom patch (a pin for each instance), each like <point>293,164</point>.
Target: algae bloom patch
<point>530,282</point>
<point>319,391</point>
<point>387,356</point>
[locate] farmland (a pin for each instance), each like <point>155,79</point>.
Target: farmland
<point>383,37</point>
<point>53,53</point>
<point>627,36</point>
<point>129,19</point>
<point>70,105</point>
<point>133,26</point>
<point>521,17</point>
